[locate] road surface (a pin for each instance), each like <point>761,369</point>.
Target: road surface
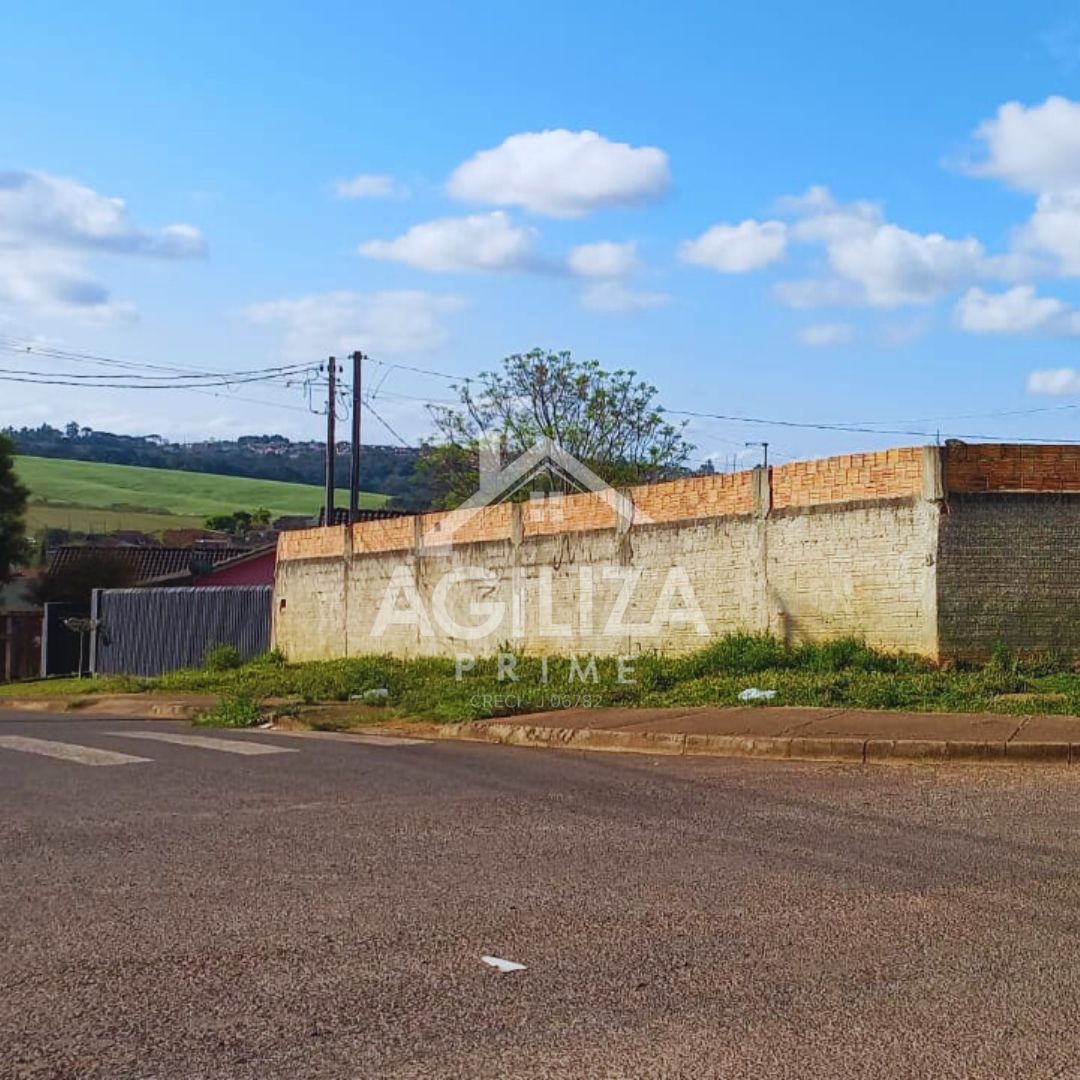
<point>258,906</point>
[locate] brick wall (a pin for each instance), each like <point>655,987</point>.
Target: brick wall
<point>886,474</point>
<point>1009,571</point>
<point>807,576</point>
<point>941,552</point>
<point>312,543</point>
<point>988,467</point>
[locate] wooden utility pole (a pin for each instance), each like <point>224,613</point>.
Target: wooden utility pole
<point>354,463</point>
<point>331,439</point>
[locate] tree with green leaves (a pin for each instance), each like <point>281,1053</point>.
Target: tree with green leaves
<point>14,549</point>
<point>610,421</point>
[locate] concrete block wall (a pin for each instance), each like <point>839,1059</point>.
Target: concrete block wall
<point>812,550</point>
<point>1009,571</point>
<point>862,568</point>
<point>943,552</point>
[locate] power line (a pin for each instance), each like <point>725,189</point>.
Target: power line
<point>852,428</point>
<point>64,379</point>
<point>371,409</point>
<point>200,379</point>
<point>422,371</point>
<point>80,378</point>
<point>24,348</point>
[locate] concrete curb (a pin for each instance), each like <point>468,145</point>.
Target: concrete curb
<point>790,748</point>
<point>129,707</point>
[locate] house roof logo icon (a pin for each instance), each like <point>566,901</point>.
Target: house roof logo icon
<point>499,482</point>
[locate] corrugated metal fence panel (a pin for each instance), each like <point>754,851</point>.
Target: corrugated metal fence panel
<point>151,631</point>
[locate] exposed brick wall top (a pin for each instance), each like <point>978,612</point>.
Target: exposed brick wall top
<point>696,496</point>
<point>882,474</point>
<point>567,513</point>
<point>313,543</point>
<point>849,477</point>
<point>390,534</point>
<point>1011,467</point>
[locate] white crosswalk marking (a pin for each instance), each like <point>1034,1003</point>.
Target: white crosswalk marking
<point>83,755</point>
<point>204,742</point>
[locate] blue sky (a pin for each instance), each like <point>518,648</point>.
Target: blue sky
<point>820,214</point>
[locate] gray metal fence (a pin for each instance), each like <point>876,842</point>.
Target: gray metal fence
<point>151,631</point>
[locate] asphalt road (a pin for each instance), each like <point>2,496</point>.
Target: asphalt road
<point>321,912</point>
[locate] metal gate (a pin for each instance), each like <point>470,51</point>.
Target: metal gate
<point>20,645</point>
<point>152,631</point>
<point>60,641</point>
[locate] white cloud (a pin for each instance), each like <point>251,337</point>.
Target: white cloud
<point>874,262</point>
<point>379,322</point>
<point>895,266</point>
<point>737,249</point>
<point>1016,311</point>
<point>563,174</point>
<point>367,186</point>
<point>1034,149</point>
<point>822,335</point>
<point>1037,149</point>
<point>613,297</point>
<point>50,227</point>
<point>52,211</point>
<point>480,242</point>
<point>1054,228</point>
<point>607,264</point>
<point>815,199</point>
<point>604,259</point>
<point>1055,382</point>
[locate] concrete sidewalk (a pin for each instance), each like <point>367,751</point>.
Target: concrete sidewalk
<point>797,733</point>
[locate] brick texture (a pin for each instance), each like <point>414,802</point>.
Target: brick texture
<point>1009,571</point>
<point>312,543</point>
<point>807,575</point>
<point>991,467</point>
<point>884,474</point>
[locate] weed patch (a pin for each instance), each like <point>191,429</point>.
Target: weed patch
<point>845,673</point>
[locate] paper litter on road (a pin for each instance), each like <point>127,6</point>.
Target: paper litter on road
<point>752,693</point>
<point>502,965</point>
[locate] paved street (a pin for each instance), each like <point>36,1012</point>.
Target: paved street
<point>179,904</point>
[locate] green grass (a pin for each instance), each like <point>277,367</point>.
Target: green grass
<point>80,519</point>
<point>839,674</point>
<point>123,491</point>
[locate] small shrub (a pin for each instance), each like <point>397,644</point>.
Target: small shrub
<point>234,711</point>
<point>222,658</point>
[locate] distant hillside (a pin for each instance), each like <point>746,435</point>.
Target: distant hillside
<point>387,470</point>
<point>93,497</point>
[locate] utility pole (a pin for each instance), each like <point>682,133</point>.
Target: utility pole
<point>331,439</point>
<point>765,451</point>
<point>354,463</point>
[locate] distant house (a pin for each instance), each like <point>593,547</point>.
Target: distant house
<point>254,567</point>
<point>150,563</point>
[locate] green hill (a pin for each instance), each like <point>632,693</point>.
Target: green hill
<point>93,497</point>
